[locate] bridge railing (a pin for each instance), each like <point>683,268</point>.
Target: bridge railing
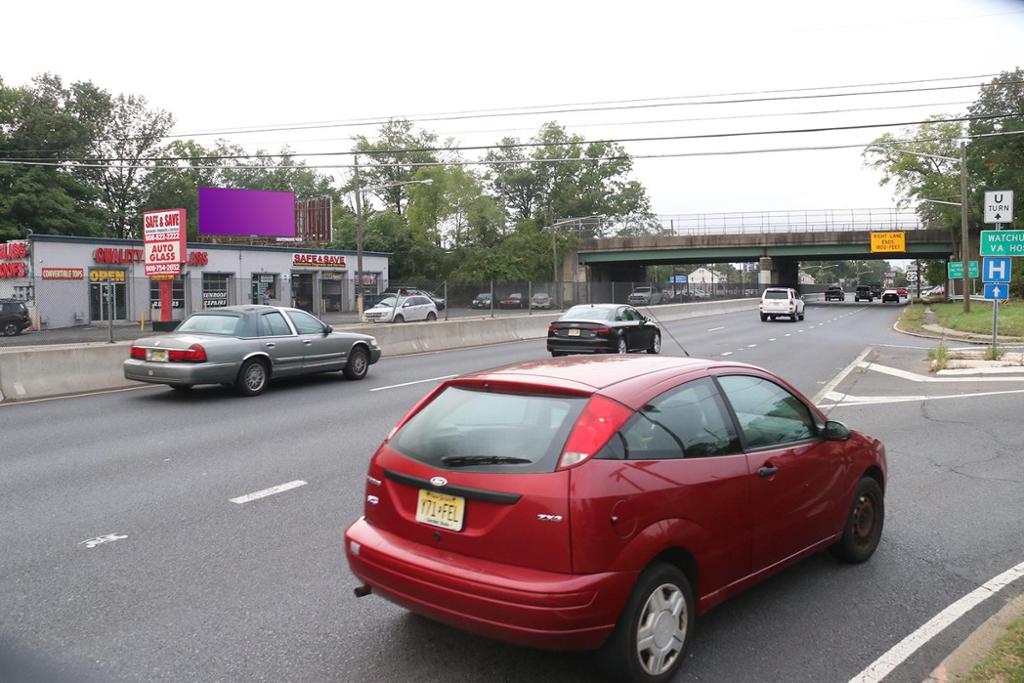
<point>759,222</point>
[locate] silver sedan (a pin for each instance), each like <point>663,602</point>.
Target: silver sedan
<point>246,347</point>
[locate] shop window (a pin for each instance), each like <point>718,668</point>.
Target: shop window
<point>177,294</point>
<point>215,290</point>
<point>264,288</point>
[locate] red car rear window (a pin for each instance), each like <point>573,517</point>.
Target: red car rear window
<point>484,431</point>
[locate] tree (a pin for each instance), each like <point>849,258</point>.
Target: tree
<point>49,123</point>
<point>395,157</point>
<point>128,135</point>
<point>564,177</point>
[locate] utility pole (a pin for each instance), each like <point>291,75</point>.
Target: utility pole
<point>359,241</point>
<point>964,240</point>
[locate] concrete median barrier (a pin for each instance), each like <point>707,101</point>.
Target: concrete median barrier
<point>42,371</point>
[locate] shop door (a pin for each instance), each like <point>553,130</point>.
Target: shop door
<point>302,291</point>
<point>100,304</point>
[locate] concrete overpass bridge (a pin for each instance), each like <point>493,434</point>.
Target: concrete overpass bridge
<point>777,240</point>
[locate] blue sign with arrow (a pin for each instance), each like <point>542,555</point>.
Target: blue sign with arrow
<point>996,291</point>
<point>996,268</point>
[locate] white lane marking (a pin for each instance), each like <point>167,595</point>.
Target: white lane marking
<point>419,381</point>
<point>716,329</point>
<point>100,540</point>
<point>726,353</point>
<point>772,339</point>
<point>799,330</point>
<point>789,334</point>
<point>850,400</point>
<point>898,653</point>
<point>914,377</point>
<point>750,346</point>
<point>841,376</point>
<point>256,495</point>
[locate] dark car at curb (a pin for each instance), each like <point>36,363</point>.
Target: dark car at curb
<point>605,503</point>
<point>481,300</point>
<point>863,292</point>
<point>247,347</point>
<point>603,328</point>
<point>14,317</point>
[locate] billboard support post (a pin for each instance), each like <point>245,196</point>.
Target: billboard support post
<point>359,241</point>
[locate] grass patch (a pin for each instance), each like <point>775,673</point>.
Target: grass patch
<point>994,354</point>
<point>912,318</point>
<point>979,320</point>
<point>1005,662</point>
<point>939,356</point>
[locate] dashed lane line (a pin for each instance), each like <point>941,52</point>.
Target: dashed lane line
<point>716,329</point>
<point>263,493</point>
<point>418,381</point>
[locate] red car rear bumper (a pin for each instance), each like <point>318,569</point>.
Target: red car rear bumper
<point>515,604</point>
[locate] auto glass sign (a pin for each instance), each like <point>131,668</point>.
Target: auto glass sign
<point>164,235</point>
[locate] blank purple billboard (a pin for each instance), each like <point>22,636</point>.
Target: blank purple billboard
<point>224,211</point>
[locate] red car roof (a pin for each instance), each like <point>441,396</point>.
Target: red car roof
<point>588,373</point>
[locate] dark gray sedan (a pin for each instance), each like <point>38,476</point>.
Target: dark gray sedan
<point>246,347</point>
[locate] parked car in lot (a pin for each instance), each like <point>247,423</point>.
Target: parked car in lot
<point>644,296</point>
<point>247,347</point>
<point>604,503</point>
<point>14,317</point>
<point>781,302</point>
<point>903,291</point>
<point>399,309</point>
<point>481,300</point>
<point>540,300</point>
<point>603,328</point>
<point>835,293</point>
<point>371,300</point>
<point>890,295</point>
<point>863,292</point>
<point>514,300</point>
<point>876,291</point>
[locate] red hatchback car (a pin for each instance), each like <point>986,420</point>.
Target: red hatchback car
<point>604,502</point>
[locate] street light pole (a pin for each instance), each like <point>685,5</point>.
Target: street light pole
<point>964,240</point>
<point>361,226</point>
<point>359,241</point>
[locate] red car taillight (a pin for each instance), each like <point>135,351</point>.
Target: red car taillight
<point>552,329</point>
<point>138,353</point>
<point>600,420</point>
<point>193,354</point>
<point>601,330</point>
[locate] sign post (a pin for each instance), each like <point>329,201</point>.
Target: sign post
<point>997,287</point>
<point>164,246</point>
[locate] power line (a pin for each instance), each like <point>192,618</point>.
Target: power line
<point>848,110</point>
<point>494,162</point>
<point>558,109</point>
<point>528,145</point>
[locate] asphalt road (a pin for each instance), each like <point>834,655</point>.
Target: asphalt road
<point>186,585</point>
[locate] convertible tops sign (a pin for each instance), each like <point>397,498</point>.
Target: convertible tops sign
<point>330,260</point>
<point>63,273</point>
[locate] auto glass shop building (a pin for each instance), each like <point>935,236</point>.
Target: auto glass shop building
<point>63,279</point>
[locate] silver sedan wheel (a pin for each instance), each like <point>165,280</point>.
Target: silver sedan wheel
<point>661,632</point>
<point>255,377</point>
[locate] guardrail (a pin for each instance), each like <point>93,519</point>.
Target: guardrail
<point>42,371</point>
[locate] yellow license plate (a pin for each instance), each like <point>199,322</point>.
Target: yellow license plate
<point>439,509</point>
<point>574,332</point>
<point>158,355</point>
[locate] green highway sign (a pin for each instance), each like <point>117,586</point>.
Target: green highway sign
<point>972,269</point>
<point>1002,242</point>
<point>955,270</point>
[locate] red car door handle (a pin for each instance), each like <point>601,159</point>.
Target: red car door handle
<point>767,471</point>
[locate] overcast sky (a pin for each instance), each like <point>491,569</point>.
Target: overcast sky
<point>219,65</point>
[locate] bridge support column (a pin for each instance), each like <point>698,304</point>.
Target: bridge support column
<point>779,272</point>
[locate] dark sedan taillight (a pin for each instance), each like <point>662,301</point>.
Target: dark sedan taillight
<point>552,329</point>
<point>138,353</point>
<point>601,331</point>
<point>193,354</point>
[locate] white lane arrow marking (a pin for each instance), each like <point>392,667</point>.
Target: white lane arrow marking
<point>100,540</point>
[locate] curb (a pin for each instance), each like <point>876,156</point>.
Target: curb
<point>977,645</point>
<point>953,337</point>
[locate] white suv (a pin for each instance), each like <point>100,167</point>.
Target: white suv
<point>781,301</point>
